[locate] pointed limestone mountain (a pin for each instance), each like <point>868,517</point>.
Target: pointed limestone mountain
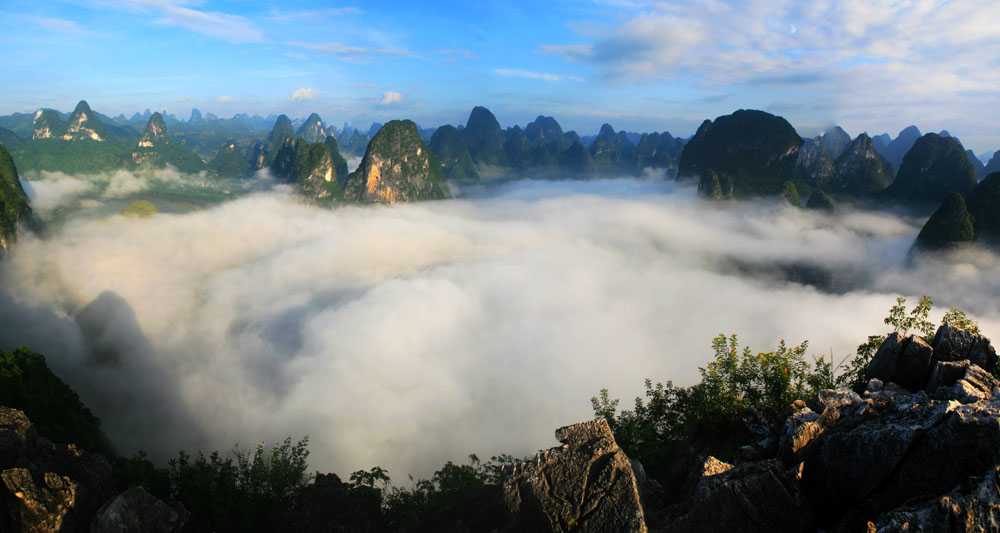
<point>984,206</point>
<point>48,125</point>
<point>755,149</point>
<point>951,224</point>
<point>195,115</point>
<point>84,124</point>
<point>518,148</point>
<point>229,161</point>
<point>896,150</point>
<point>397,167</point>
<point>544,128</point>
<point>819,201</point>
<point>14,208</point>
<point>658,150</point>
<point>485,138</point>
<point>312,129</point>
<point>262,154</point>
<point>881,141</point>
<point>836,141</point>
<point>576,160</point>
<point>449,146</point>
<point>814,165</point>
<point>613,152</point>
<point>157,150</point>
<point>861,169</point>
<point>315,170</point>
<point>933,168</point>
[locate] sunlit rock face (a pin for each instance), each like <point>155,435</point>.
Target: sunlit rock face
<point>397,167</point>
<point>47,125</point>
<point>312,130</point>
<point>84,124</point>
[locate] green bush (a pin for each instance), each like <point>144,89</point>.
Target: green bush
<point>26,383</point>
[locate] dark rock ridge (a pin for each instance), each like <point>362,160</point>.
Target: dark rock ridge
<point>949,225</point>
<point>613,152</point>
<point>397,167</point>
<point>229,162</point>
<point>448,144</point>
<point>485,138</point>
<point>977,165</point>
<point>754,149</point>
<point>934,168</point>
<point>993,165</point>
<point>15,212</point>
<point>983,204</point>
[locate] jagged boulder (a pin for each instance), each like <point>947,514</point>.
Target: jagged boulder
<point>137,510</point>
<point>952,343</point>
<point>976,508</point>
<point>587,484</point>
<point>904,361</point>
<point>46,486</point>
<point>752,497</point>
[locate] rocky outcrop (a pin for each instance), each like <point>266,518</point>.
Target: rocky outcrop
<point>754,149</point>
<point>84,124</point>
<point>46,486</point>
<point>315,171</point>
<point>48,125</point>
<point>137,510</point>
<point>814,165</point>
<point>397,167</point>
<point>587,484</point>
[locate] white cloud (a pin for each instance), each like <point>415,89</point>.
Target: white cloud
<point>531,75</point>
<point>225,99</point>
<point>352,53</point>
<point>233,28</point>
<point>459,54</point>
<point>304,94</point>
<point>390,98</point>
<point>409,335</point>
<point>64,26</point>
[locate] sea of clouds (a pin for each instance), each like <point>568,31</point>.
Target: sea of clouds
<point>408,335</point>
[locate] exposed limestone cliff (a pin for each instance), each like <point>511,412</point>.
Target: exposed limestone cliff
<point>397,167</point>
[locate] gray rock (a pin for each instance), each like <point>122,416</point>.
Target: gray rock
<point>902,361</point>
<point>838,398</point>
<point>753,497</point>
<point>585,485</point>
<point>46,486</point>
<point>800,429</point>
<point>956,344</point>
<point>137,510</point>
<point>972,385</point>
<point>977,510</point>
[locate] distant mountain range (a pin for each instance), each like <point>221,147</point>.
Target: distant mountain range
<point>746,154</point>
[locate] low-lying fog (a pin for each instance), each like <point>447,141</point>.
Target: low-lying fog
<point>409,335</point>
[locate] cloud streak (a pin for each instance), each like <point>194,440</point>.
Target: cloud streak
<point>233,28</point>
<point>409,335</point>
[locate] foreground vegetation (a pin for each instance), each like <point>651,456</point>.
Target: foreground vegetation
<point>254,490</point>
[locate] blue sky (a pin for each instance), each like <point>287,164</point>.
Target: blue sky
<point>867,65</point>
